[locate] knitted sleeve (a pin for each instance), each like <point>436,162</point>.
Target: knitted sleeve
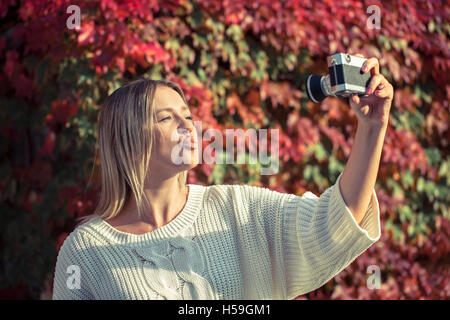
<point>71,276</point>
<point>321,237</point>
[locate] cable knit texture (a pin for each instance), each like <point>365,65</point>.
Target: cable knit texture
<point>229,242</point>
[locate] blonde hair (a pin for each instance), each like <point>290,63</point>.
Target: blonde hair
<point>125,131</point>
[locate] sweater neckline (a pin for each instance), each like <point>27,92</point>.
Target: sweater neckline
<point>183,220</point>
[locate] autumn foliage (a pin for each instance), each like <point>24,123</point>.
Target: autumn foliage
<point>241,64</point>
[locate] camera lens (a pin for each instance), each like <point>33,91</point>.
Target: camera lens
<point>314,88</point>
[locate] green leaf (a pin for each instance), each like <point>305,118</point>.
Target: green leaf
<point>202,75</point>
<point>433,156</point>
<point>420,184</point>
<point>411,230</point>
<point>431,26</point>
<point>172,44</point>
<point>217,174</point>
<point>318,179</point>
<point>206,59</point>
<point>234,32</point>
<point>334,165</point>
<point>397,233</point>
<point>290,61</point>
<point>443,169</point>
<point>407,178</point>
<point>200,40</point>
<point>405,214</point>
<point>319,151</point>
<point>228,50</point>
<point>195,19</point>
<point>398,190</point>
<point>307,173</point>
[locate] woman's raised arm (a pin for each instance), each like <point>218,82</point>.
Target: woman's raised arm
<point>360,173</point>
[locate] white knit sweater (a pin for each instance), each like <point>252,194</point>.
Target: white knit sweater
<point>229,242</point>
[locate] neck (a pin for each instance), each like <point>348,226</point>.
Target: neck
<point>166,199</point>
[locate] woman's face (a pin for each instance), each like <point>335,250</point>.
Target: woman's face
<point>175,146</point>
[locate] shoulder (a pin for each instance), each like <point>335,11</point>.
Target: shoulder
<point>81,240</point>
<point>245,195</point>
<point>245,189</point>
<point>228,191</point>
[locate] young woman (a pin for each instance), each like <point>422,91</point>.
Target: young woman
<point>153,236</point>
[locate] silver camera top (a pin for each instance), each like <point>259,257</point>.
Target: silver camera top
<point>345,58</point>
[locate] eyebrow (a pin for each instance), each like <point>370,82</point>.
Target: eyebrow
<point>166,109</point>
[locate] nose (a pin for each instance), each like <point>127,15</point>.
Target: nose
<point>186,125</point>
<point>185,129</point>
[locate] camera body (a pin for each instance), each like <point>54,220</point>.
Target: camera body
<point>345,78</point>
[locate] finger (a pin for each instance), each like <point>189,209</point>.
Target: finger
<point>382,85</point>
<point>355,99</point>
<point>371,64</point>
<point>359,55</point>
<point>383,93</point>
<point>374,82</point>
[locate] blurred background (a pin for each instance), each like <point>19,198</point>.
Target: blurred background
<point>241,64</point>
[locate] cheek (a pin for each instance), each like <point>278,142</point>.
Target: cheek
<point>164,140</point>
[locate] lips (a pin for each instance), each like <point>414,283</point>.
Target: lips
<point>189,142</point>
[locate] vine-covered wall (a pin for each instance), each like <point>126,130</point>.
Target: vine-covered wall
<point>241,64</point>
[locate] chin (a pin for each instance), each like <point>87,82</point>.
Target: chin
<point>191,166</point>
<point>189,163</point>
<point>177,169</point>
<point>188,160</point>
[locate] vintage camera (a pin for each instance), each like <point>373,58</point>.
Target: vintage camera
<point>345,78</point>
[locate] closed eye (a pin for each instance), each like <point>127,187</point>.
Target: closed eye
<point>167,118</point>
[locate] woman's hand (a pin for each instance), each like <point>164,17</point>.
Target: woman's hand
<point>374,109</point>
